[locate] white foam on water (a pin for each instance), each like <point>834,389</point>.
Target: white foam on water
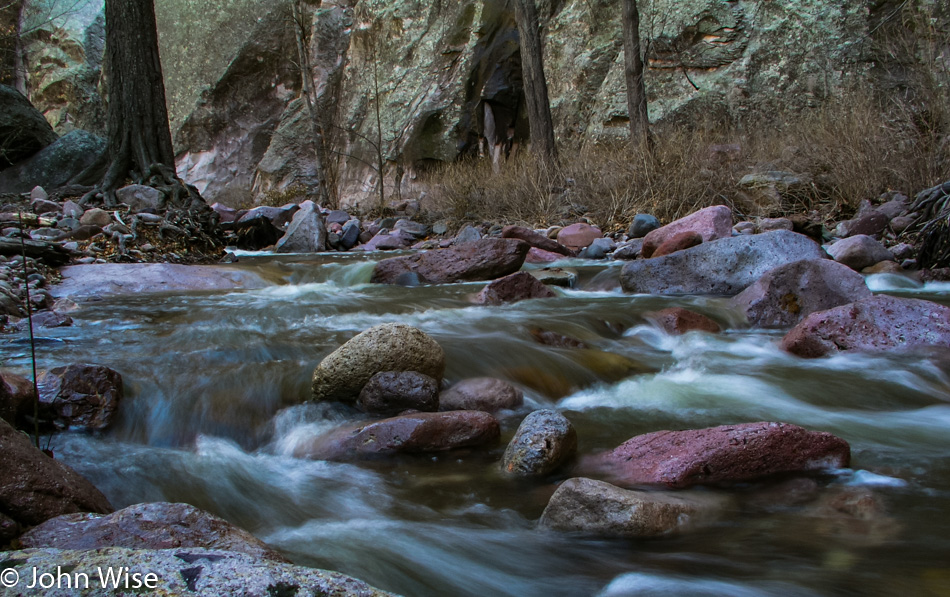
<point>640,584</point>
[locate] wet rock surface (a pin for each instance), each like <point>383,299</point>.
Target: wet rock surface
<point>725,454</point>
<point>35,488</point>
<point>156,525</point>
<point>787,294</point>
<point>512,288</point>
<point>487,394</point>
<point>107,279</point>
<point>722,267</point>
<point>676,320</point>
<point>872,324</point>
<point>411,433</point>
<point>342,374</point>
<point>544,441</point>
<point>597,508</point>
<point>392,392</point>
<point>80,396</point>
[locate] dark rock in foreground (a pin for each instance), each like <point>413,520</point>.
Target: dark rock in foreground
<point>80,396</point>
<point>392,392</point>
<point>484,259</point>
<point>413,433</point>
<point>159,525</point>
<point>35,488</point>
<point>721,267</point>
<point>725,454</point>
<point>872,324</point>
<point>597,508</point>
<point>185,572</point>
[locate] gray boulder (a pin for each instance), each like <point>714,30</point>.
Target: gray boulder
<point>642,225</point>
<point>80,396</point>
<point>23,129</point>
<point>593,507</point>
<point>185,572</point>
<point>306,234</point>
<point>788,293</point>
<point>56,165</point>
<point>544,441</point>
<point>722,267</point>
<point>386,347</point>
<point>158,525</point>
<point>859,251</point>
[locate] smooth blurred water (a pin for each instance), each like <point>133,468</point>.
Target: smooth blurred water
<point>215,391</point>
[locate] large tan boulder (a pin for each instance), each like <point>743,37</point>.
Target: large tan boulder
<point>386,347</point>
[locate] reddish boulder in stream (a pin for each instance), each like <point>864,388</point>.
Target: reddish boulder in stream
<point>729,453</point>
<point>412,433</point>
<point>484,259</point>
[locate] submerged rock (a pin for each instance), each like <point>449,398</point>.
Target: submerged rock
<point>725,454</point>
<point>484,259</point>
<point>871,324</point>
<point>185,571</point>
<point>597,508</point>
<point>676,321</point>
<point>411,433</point>
<point>392,392</point>
<point>159,525</point>
<point>35,488</point>
<point>787,294</point>
<point>512,288</point>
<point>85,281</point>
<point>342,374</point>
<point>481,393</point>
<point>544,441</point>
<point>721,267</point>
<point>711,223</point>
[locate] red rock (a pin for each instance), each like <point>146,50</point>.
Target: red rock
<point>35,488</point>
<point>536,240</point>
<point>512,288</point>
<point>729,453</point>
<point>678,242</point>
<point>157,525</point>
<point>412,433</point>
<point>871,324</point>
<point>577,236</point>
<point>483,259</point>
<point>536,255</point>
<point>711,223</point>
<point>486,394</point>
<point>677,320</point>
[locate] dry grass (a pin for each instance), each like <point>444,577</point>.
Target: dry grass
<point>851,149</point>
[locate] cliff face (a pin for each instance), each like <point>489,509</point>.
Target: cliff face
<point>440,72</point>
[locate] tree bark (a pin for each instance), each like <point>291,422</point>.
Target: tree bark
<point>633,73</point>
<point>540,122</point>
<point>140,142</point>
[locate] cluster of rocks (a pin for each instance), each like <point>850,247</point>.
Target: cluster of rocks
<point>642,488</point>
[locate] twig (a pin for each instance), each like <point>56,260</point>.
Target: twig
<point>29,318</point>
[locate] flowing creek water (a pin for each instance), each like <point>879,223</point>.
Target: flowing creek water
<point>215,385</point>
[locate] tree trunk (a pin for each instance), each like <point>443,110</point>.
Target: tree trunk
<point>140,142</point>
<point>633,72</point>
<point>535,85</point>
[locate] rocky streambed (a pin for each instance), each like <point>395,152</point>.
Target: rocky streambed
<point>397,419</point>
